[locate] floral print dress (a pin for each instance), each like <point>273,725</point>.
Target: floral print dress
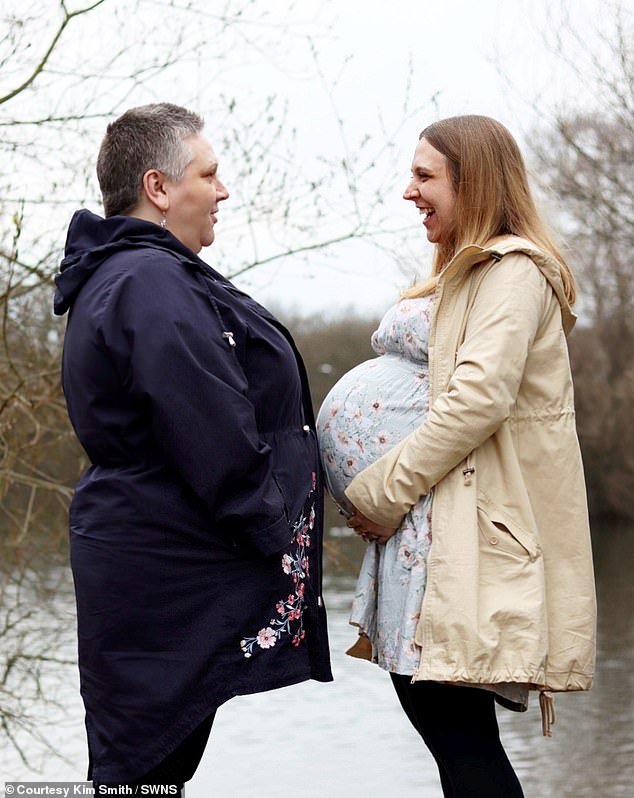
<point>372,408</point>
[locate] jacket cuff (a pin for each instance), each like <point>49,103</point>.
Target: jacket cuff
<point>360,496</point>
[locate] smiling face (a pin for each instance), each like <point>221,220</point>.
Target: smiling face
<point>193,200</point>
<point>431,190</point>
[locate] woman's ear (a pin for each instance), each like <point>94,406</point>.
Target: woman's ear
<point>154,187</point>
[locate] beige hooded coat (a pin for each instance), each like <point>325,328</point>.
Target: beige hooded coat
<point>510,588</point>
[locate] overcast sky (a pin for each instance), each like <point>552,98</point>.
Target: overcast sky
<point>496,57</point>
<point>386,69</point>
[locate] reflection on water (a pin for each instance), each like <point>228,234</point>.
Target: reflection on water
<point>350,739</point>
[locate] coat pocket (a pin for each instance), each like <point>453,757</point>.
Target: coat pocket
<point>501,533</point>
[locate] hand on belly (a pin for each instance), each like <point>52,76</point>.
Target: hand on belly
<point>367,529</point>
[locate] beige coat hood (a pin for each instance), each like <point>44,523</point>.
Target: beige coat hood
<point>510,589</point>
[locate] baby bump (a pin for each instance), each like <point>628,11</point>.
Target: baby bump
<point>366,413</point>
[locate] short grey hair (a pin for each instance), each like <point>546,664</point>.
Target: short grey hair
<point>148,137</point>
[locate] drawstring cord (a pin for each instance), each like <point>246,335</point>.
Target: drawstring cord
<point>547,707</point>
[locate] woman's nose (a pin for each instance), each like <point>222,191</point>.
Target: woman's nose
<point>410,192</point>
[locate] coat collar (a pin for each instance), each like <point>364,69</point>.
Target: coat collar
<point>473,254</point>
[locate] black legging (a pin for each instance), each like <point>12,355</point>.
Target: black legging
<point>459,726</point>
<point>177,767</point>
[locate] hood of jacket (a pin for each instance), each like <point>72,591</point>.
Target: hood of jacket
<point>473,254</point>
<point>91,240</point>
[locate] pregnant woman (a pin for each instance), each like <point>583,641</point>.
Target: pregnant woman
<point>455,455</point>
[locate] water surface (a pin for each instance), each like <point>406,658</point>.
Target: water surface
<point>350,739</point>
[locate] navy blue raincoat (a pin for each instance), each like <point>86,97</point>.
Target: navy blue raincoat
<point>196,532</point>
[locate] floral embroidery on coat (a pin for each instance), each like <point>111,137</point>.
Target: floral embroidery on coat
<point>290,610</point>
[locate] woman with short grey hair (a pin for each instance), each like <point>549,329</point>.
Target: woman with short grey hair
<point>196,532</point>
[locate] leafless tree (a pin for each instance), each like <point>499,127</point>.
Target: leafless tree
<point>586,157</point>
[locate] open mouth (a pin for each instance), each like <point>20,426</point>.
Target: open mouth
<point>426,213</point>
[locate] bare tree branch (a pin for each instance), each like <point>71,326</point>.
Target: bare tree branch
<point>39,68</point>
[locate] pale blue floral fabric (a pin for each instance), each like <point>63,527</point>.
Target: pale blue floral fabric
<point>373,407</point>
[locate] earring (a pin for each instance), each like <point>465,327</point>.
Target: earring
<point>163,221</point>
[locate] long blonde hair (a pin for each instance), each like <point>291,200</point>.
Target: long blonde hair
<point>493,197</point>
